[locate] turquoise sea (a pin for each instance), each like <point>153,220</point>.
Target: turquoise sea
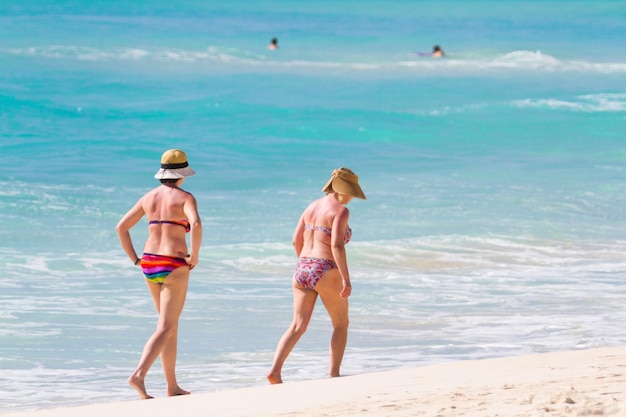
<point>495,178</point>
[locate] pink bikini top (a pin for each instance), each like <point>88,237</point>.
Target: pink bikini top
<point>183,223</point>
<point>328,231</point>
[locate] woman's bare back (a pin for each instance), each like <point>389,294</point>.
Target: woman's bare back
<point>322,219</point>
<point>165,207</point>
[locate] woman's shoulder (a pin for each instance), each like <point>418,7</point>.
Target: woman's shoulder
<point>183,194</point>
<point>162,195</point>
<point>328,208</point>
<point>188,195</point>
<point>314,204</point>
<point>151,195</point>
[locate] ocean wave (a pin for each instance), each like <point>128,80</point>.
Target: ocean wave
<point>85,53</point>
<point>488,255</point>
<point>522,60</point>
<point>588,103</point>
<point>416,301</point>
<point>275,260</point>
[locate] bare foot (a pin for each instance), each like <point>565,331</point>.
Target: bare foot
<point>178,391</point>
<point>139,385</point>
<point>273,379</point>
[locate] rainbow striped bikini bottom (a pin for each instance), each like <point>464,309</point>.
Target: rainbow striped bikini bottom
<point>157,267</point>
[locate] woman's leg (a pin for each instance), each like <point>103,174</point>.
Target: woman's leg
<point>329,288</point>
<point>169,299</point>
<point>175,292</point>
<point>168,361</point>
<point>303,305</point>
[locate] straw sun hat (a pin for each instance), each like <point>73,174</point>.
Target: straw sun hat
<point>174,165</point>
<point>344,181</point>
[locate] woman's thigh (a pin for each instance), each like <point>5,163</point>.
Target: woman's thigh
<point>173,294</point>
<point>329,287</point>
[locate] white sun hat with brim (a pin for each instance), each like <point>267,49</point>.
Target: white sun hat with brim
<point>174,165</point>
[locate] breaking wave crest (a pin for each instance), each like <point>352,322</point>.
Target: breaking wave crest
<point>471,62</point>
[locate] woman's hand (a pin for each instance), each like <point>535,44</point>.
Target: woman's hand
<point>346,291</point>
<point>192,261</point>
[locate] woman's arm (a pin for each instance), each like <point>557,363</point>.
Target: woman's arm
<point>195,235</point>
<point>298,236</point>
<point>123,229</point>
<point>340,224</point>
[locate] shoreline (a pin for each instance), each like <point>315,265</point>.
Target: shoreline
<point>580,382</point>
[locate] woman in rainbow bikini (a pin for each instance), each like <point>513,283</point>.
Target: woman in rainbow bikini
<point>322,269</point>
<point>166,262</point>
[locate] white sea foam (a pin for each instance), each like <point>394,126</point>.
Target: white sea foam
<point>535,61</point>
<point>415,301</point>
<point>588,103</point>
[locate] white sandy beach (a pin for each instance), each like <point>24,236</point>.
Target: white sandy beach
<point>575,383</point>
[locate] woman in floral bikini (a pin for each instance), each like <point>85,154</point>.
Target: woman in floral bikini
<point>322,269</point>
